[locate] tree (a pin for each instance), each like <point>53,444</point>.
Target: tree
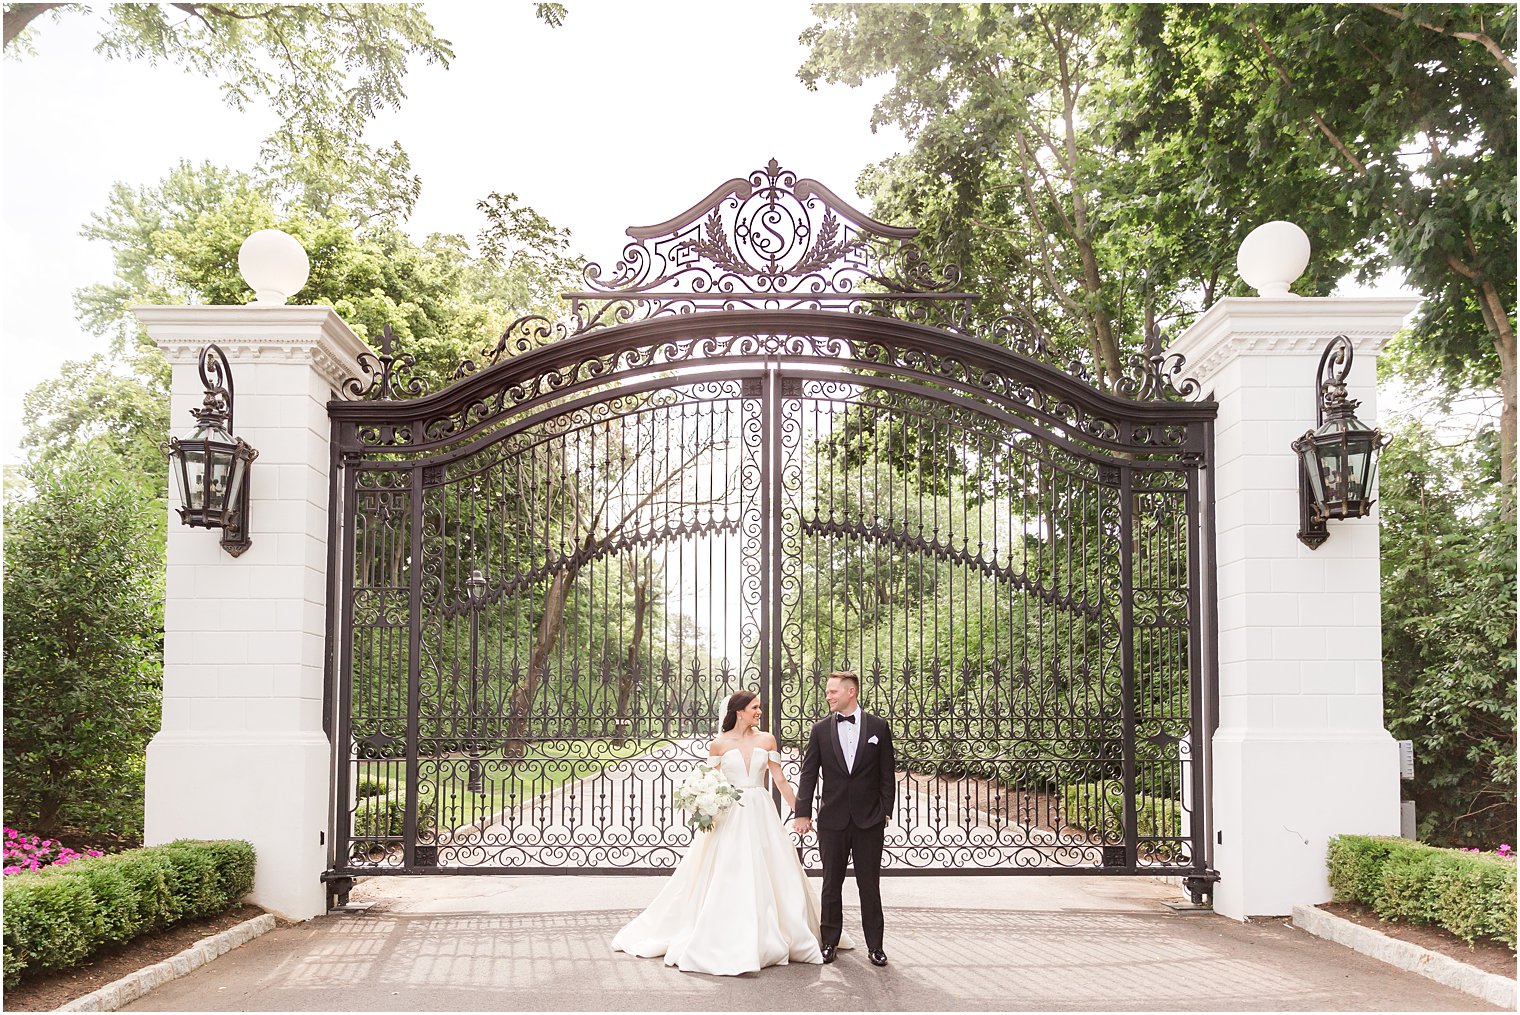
<point>83,643</point>
<point>1406,117</point>
<point>177,242</point>
<point>1022,170</point>
<point>1449,632</point>
<point>598,488</point>
<point>95,403</point>
<point>1001,172</point>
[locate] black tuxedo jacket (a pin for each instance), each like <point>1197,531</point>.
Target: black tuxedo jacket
<point>863,797</point>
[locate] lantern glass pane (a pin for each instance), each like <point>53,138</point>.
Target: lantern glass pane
<point>177,470</point>
<point>1310,459</point>
<point>207,462</point>
<point>218,480</point>
<point>1356,470</point>
<point>194,459</point>
<point>1332,464</point>
<point>235,484</point>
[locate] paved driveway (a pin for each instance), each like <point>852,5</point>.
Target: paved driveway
<point>471,943</point>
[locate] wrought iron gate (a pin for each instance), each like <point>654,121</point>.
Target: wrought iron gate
<point>762,450</point>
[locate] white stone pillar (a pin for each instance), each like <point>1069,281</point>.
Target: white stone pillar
<point>1301,753</point>
<point>242,753</point>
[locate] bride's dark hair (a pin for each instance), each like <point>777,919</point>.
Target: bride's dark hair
<point>737,702</point>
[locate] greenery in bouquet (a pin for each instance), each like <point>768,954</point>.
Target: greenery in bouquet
<point>705,794</point>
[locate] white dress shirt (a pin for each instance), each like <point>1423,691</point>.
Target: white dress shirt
<point>849,737</point>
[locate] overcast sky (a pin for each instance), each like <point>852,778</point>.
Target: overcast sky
<point>625,116</point>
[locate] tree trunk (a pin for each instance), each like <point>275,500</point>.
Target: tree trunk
<point>1110,368</point>
<point>21,15</point>
<point>630,673</point>
<point>47,817</point>
<point>1504,342</point>
<point>549,627</point>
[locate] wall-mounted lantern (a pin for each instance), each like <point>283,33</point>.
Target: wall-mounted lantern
<point>1338,458</point>
<point>210,465</point>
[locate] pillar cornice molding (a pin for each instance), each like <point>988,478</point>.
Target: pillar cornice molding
<point>316,336</point>
<point>1290,325</point>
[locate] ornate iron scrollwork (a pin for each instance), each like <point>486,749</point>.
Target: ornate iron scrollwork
<point>1156,376</point>
<point>766,241</point>
<point>770,241</point>
<point>771,236</point>
<point>385,373</point>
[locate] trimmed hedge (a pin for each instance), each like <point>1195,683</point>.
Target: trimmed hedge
<point>1470,894</point>
<point>59,916</point>
<point>1099,807</point>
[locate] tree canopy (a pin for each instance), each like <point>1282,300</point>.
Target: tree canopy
<point>177,242</point>
<point>1402,119</point>
<point>1094,168</point>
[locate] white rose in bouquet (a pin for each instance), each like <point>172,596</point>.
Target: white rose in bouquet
<point>705,793</point>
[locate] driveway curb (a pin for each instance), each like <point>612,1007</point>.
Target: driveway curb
<point>1490,987</point>
<point>134,985</point>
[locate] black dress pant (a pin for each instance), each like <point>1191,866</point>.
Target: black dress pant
<point>837,847</point>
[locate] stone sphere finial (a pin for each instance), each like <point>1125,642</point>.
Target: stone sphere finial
<point>275,266</point>
<point>1272,258</point>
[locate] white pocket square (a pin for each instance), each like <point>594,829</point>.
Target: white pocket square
<point>873,740</point>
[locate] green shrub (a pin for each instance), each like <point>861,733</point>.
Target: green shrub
<point>371,785</point>
<point>376,816</point>
<point>1099,807</point>
<point>83,623</point>
<point>233,862</point>
<point>149,875</point>
<point>116,900</point>
<point>57,917</point>
<point>1357,873</point>
<point>50,923</point>
<point>1470,894</point>
<point>1402,894</point>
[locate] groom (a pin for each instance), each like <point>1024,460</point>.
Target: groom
<point>854,751</point>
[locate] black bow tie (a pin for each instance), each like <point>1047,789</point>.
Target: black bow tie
<point>844,718</point>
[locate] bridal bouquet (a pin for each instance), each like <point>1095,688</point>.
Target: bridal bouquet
<point>706,793</point>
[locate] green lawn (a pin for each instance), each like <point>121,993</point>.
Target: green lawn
<point>504,784</point>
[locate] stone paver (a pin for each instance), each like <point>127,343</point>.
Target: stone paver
<point>956,943</point>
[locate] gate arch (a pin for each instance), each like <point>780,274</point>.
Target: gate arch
<point>746,466</point>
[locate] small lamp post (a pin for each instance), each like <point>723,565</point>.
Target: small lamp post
<point>1338,458</point>
<point>210,465</point>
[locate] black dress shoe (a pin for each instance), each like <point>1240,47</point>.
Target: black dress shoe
<point>878,957</point>
<point>828,954</point>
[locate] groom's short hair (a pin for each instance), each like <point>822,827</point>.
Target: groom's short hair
<point>847,676</point>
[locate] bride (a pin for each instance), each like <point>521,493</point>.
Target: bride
<point>739,900</point>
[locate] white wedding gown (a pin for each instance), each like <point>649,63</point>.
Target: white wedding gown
<point>739,900</point>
